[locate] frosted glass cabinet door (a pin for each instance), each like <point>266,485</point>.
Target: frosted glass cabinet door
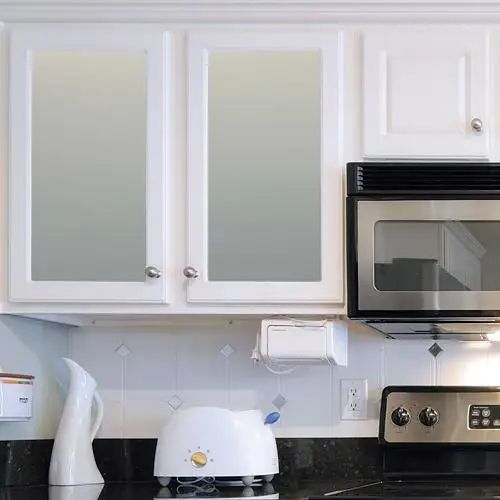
<point>85,223</point>
<point>264,172</point>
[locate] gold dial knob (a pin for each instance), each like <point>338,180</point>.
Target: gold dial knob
<point>199,459</point>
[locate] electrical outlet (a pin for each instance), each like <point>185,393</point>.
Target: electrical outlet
<point>354,399</point>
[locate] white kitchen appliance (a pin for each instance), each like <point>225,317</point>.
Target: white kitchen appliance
<point>16,397</point>
<point>297,342</point>
<point>215,442</point>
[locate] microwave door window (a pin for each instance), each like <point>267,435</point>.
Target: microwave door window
<point>437,255</point>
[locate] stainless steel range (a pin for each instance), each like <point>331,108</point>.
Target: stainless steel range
<point>438,442</point>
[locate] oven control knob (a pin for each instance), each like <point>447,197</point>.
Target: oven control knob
<point>429,416</point>
<point>400,416</point>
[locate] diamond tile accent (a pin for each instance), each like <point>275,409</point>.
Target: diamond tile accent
<point>227,350</point>
<point>123,351</point>
<point>279,401</point>
<point>175,402</point>
<point>435,349</point>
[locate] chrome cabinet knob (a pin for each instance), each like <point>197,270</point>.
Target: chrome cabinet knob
<point>152,272</point>
<point>190,272</point>
<point>476,124</point>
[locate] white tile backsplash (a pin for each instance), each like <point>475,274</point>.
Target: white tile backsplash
<point>144,373</point>
<point>96,351</point>
<point>309,408</point>
<point>408,362</point>
<point>202,371</point>
<point>249,386</point>
<point>493,365</point>
<point>463,363</point>
<point>210,365</point>
<point>149,381</point>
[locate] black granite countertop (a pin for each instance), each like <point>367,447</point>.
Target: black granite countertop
<point>329,460</point>
<point>297,490</point>
<point>461,488</point>
<point>308,467</point>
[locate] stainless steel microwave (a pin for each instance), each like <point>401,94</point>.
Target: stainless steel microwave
<point>424,248</point>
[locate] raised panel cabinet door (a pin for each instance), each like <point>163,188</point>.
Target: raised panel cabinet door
<point>426,93</point>
<point>87,167</point>
<point>265,173</point>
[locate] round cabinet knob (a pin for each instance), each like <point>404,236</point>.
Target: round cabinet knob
<point>400,416</point>
<point>429,416</point>
<point>190,272</point>
<point>152,272</point>
<point>199,459</point>
<point>476,124</point>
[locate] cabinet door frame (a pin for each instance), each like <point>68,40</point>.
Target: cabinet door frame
<point>331,287</point>
<point>471,47</point>
<point>26,39</point>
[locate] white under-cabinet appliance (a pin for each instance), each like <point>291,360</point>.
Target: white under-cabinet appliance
<point>219,443</point>
<point>288,341</point>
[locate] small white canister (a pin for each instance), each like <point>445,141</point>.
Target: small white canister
<point>16,397</point>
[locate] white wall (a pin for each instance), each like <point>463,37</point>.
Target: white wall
<point>157,364</point>
<point>36,348</point>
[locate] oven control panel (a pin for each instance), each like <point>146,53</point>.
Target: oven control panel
<point>440,415</point>
<point>484,417</point>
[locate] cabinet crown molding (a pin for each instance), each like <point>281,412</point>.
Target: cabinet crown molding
<point>248,11</point>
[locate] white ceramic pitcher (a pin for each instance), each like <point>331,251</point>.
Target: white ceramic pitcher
<point>73,461</point>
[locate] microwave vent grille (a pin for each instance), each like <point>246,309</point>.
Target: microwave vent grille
<point>391,177</point>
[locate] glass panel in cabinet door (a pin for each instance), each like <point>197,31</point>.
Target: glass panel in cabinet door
<point>437,255</point>
<point>264,166</point>
<point>89,166</point>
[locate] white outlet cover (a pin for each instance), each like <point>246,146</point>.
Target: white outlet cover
<point>354,399</point>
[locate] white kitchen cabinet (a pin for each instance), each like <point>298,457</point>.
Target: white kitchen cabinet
<point>265,205</point>
<point>426,92</point>
<point>87,163</point>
